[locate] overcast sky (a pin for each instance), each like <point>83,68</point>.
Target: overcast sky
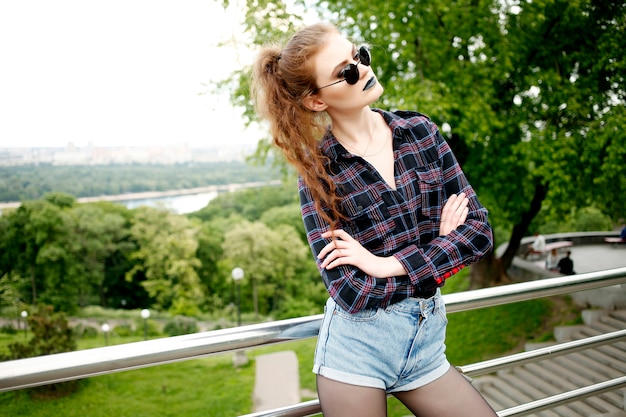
<point>116,72</point>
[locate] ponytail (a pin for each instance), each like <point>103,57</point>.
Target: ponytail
<point>281,79</point>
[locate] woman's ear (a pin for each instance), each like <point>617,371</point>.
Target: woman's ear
<point>314,103</point>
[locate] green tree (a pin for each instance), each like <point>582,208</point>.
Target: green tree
<point>32,238</point>
<point>271,260</point>
<point>62,252</point>
<point>166,258</point>
<point>530,95</point>
<point>94,237</point>
<point>249,203</point>
<point>287,215</point>
<point>209,253</point>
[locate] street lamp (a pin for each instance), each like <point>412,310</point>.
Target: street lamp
<point>145,315</point>
<point>24,315</point>
<point>105,330</point>
<point>240,357</point>
<point>237,274</point>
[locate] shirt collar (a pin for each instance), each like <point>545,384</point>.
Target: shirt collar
<point>397,121</point>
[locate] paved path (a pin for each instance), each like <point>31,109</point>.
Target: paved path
<point>591,258</point>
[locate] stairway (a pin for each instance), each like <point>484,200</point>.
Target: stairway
<point>522,384</point>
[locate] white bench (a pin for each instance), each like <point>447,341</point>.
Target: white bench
<point>614,240</point>
<point>552,245</point>
<point>558,245</point>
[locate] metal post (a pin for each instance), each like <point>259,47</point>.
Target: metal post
<point>237,275</point>
<point>145,315</point>
<point>24,316</point>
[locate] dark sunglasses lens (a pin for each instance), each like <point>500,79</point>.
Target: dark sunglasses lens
<point>351,74</point>
<point>364,56</point>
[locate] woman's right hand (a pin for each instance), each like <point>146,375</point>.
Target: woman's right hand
<point>454,213</point>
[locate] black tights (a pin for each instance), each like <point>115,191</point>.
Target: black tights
<point>449,396</point>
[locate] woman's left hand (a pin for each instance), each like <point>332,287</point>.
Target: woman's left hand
<point>454,213</point>
<point>345,250</point>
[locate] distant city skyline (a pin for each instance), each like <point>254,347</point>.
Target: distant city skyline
<point>118,73</point>
<point>100,155</point>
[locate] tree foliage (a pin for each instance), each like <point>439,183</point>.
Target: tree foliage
<point>72,255</point>
<point>166,260</point>
<point>530,95</point>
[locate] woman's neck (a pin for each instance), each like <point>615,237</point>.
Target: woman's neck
<point>357,131</point>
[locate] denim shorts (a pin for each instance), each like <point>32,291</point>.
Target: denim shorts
<point>397,348</point>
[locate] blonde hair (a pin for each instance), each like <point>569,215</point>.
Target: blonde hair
<point>281,79</point>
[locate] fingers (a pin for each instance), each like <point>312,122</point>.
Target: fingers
<point>337,236</point>
<point>454,213</point>
<point>458,212</point>
<point>449,206</point>
<point>339,233</point>
<point>341,250</point>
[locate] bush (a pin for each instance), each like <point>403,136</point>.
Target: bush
<point>8,329</point>
<point>123,330</point>
<point>82,331</point>
<point>180,325</point>
<point>590,219</point>
<point>292,307</point>
<point>149,325</point>
<point>51,334</point>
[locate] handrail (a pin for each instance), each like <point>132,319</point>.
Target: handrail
<point>42,370</point>
<point>30,372</point>
<point>311,407</point>
<point>487,297</point>
<point>493,365</point>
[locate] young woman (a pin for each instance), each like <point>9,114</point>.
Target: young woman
<point>389,216</point>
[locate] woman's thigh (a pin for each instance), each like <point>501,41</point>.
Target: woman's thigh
<point>339,399</point>
<point>449,396</point>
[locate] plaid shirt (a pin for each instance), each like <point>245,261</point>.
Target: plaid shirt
<point>403,222</point>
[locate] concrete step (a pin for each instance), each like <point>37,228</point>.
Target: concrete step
<point>602,357</point>
<point>619,314</point>
<point>564,334</point>
<point>603,326</point>
<point>550,389</point>
<point>590,331</point>
<point>560,379</point>
<point>587,368</point>
<point>528,387</point>
<point>522,384</point>
<point>617,317</point>
<point>589,316</point>
<point>615,322</point>
<point>608,401</point>
<point>550,380</point>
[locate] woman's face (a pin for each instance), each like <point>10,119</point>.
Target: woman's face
<point>328,64</point>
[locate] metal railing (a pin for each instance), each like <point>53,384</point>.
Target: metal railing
<point>31,372</point>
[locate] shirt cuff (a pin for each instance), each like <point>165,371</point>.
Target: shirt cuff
<point>418,267</point>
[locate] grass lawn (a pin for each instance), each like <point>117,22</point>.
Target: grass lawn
<point>212,386</point>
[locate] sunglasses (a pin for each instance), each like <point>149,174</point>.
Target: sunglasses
<point>350,72</point>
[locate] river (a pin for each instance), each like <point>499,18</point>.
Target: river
<point>180,204</point>
<point>179,201</point>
